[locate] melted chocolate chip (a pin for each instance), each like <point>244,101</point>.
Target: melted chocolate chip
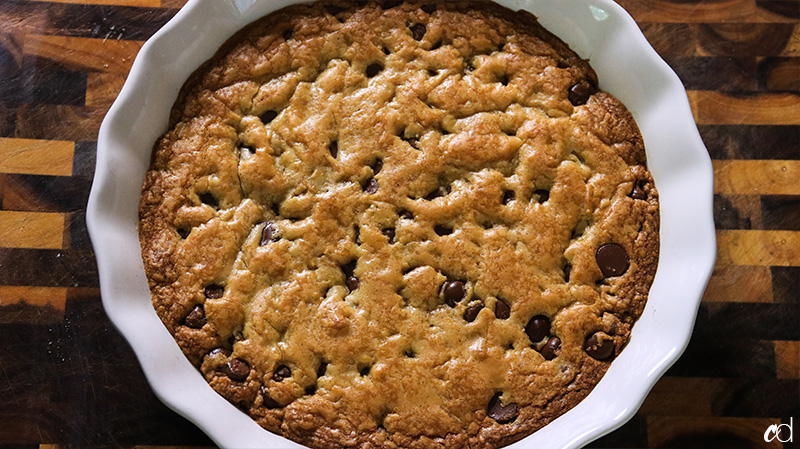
<point>472,312</point>
<point>281,373</point>
<point>236,369</point>
<point>551,348</point>
<point>388,4</point>
<point>438,193</point>
<point>418,31</point>
<point>414,142</point>
<point>579,93</point>
<point>638,192</point>
<point>268,116</point>
<point>196,318</point>
<point>503,80</point>
<point>287,35</point>
<point>208,198</point>
<point>428,8</point>
<point>376,166</point>
<point>268,401</point>
<point>365,370</point>
<point>214,291</point>
<point>268,234</point>
<point>561,64</point>
<point>374,69</point>
<point>406,214</point>
<point>410,353</point>
<point>454,292</point>
<point>509,196</point>
<point>357,233</point>
<point>538,328</point>
<point>389,233</point>
<point>502,413</point>
<point>543,195</point>
<point>333,10</point>
<point>311,389</point>
<point>442,230</point>
<point>567,272</point>
<point>321,369</point>
<point>224,351</point>
<point>352,283</point>
<point>334,149</point>
<point>184,232</point>
<point>502,310</point>
<point>612,259</point>
<point>599,346</point>
<point>371,186</point>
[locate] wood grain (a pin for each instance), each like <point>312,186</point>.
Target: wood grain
<point>787,359</point>
<point>757,177</point>
<point>709,432</point>
<point>55,297</point>
<point>139,3</point>
<point>764,248</point>
<point>36,157</point>
<point>717,108</point>
<point>739,283</point>
<point>78,53</point>
<point>31,230</point>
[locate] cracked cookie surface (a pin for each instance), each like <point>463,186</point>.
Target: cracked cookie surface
<point>407,225</point>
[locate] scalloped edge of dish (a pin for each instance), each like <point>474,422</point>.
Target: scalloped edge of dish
<point>627,67</point>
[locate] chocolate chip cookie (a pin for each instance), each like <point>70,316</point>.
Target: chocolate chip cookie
<point>399,224</point>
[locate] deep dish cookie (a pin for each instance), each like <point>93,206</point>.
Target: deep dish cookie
<point>399,224</point>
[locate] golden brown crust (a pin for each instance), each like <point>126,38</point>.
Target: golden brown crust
<point>282,254</point>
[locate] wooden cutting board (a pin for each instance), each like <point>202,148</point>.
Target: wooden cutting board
<point>68,378</point>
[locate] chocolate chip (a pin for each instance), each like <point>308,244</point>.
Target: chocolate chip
<point>472,312</point>
<point>334,149</point>
<point>311,389</point>
<point>418,31</point>
<point>208,198</point>
<point>333,10</point>
<point>550,348</point>
<point>599,346</point>
<point>268,116</point>
<point>268,401</point>
<point>543,195</point>
<point>268,234</point>
<point>321,369</point>
<point>388,4</point>
<point>371,186</point>
<point>406,214</point>
<point>538,328</point>
<point>357,233</point>
<point>501,413</point>
<point>352,283</point>
<point>287,35</point>
<point>502,310</point>
<point>281,373</point>
<point>374,69</point>
<point>579,93</point>
<point>442,230</point>
<point>349,267</point>
<point>438,193</point>
<point>365,370</point>
<point>184,232</point>
<point>236,369</point>
<point>638,192</point>
<point>414,142</point>
<point>561,64</point>
<point>428,8</point>
<point>214,291</point>
<point>224,351</point>
<point>196,318</point>
<point>387,51</point>
<point>567,272</point>
<point>389,233</point>
<point>612,259</point>
<point>410,353</point>
<point>454,291</point>
<point>503,80</point>
<point>509,196</point>
<point>376,166</point>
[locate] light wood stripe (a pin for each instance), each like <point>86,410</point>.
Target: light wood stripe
<point>737,283</point>
<point>36,157</point>
<point>762,248</point>
<point>661,430</point>
<point>759,177</point>
<point>139,3</point>
<point>787,359</point>
<point>739,11</point>
<point>84,54</point>
<point>103,88</point>
<point>714,108</point>
<point>43,230</point>
<point>35,296</point>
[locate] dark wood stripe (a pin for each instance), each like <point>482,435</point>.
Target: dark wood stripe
<point>785,8</point>
<point>781,212</point>
<point>748,400</point>
<point>737,212</point>
<point>671,39</point>
<point>752,141</point>
<point>8,119</point>
<point>730,73</point>
<point>59,122</point>
<point>779,74</point>
<point>77,236</point>
<point>31,314</point>
<point>83,158</point>
<point>43,81</point>
<point>744,39</point>
<point>786,284</point>
<point>38,193</point>
<point>725,357</point>
<point>735,320</point>
<point>48,267</point>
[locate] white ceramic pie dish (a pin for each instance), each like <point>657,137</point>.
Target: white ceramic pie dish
<point>627,67</point>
